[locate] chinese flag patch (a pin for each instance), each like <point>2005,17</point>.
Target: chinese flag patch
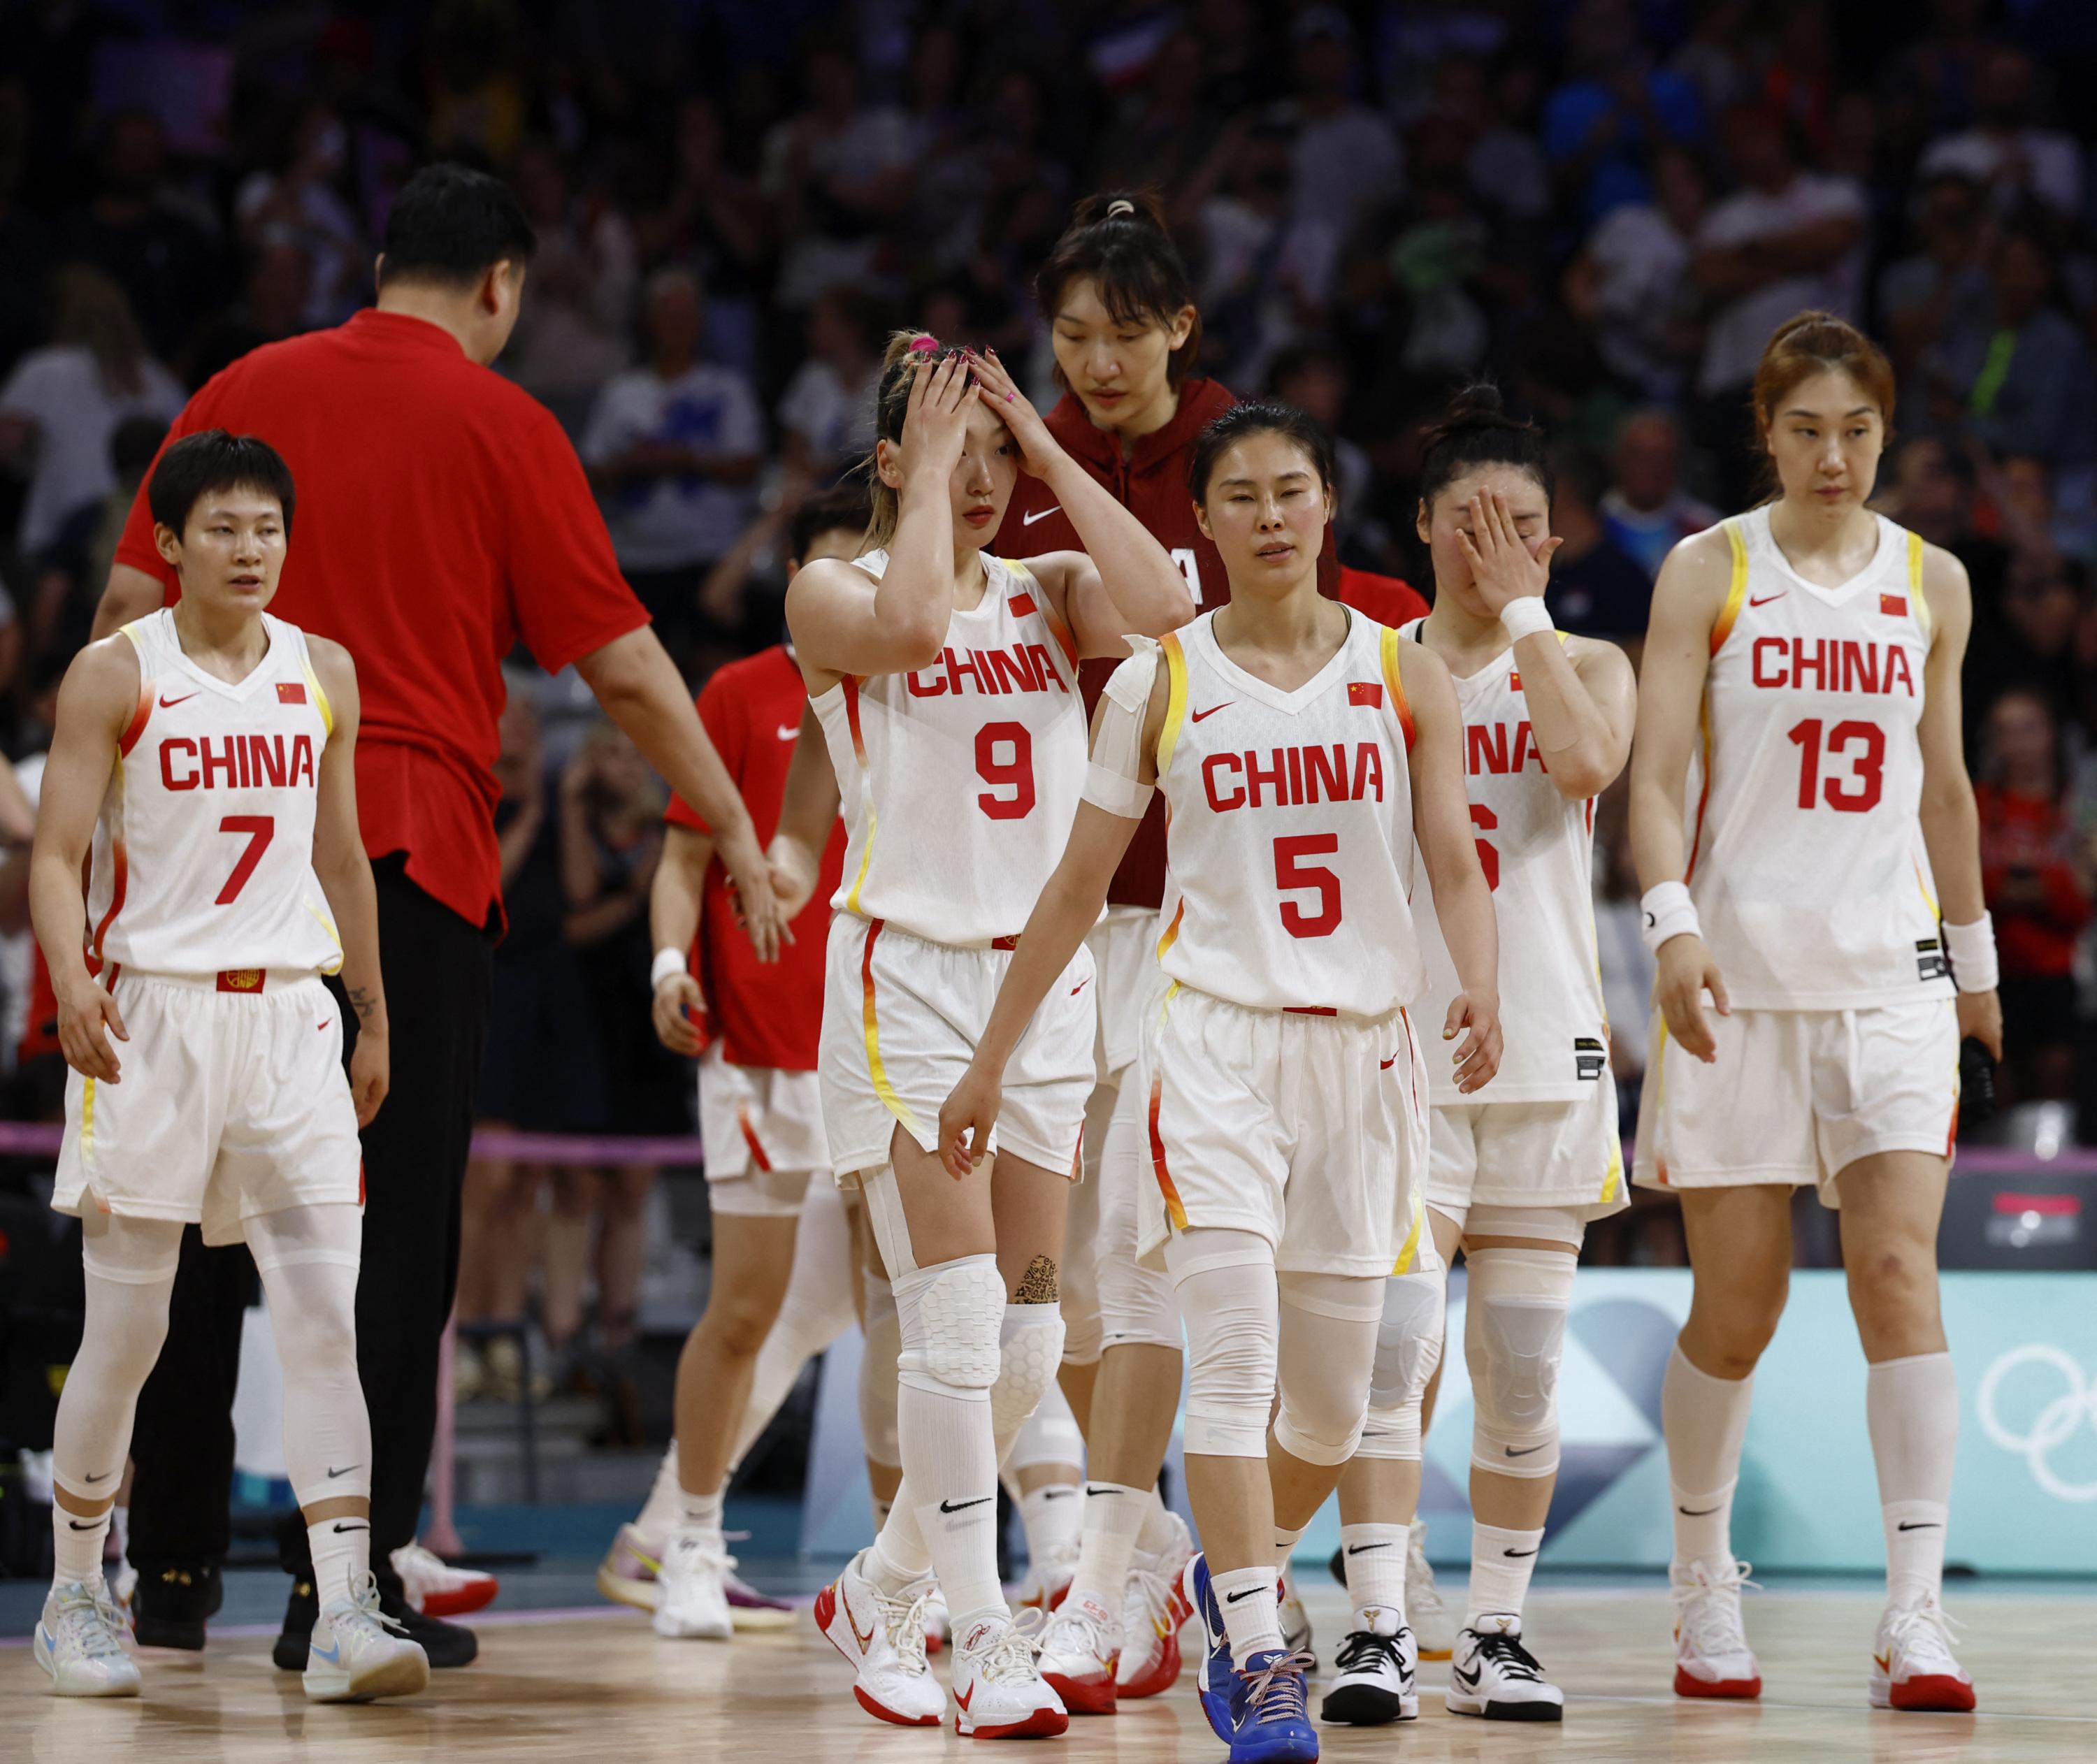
<point>291,692</point>
<point>1894,606</point>
<point>1365,692</point>
<point>1021,604</point>
<point>1514,681</point>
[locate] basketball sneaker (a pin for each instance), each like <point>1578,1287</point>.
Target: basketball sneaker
<point>938,1623</point>
<point>1274,1719</point>
<point>79,1642</point>
<point>626,1574</point>
<point>1912,1665</point>
<point>1712,1658</point>
<point>691,1589</point>
<point>1295,1620</point>
<point>999,1691</point>
<point>1221,1690</point>
<point>1080,1654</point>
<point>434,1587</point>
<point>169,1604</point>
<point>883,1636</point>
<point>1376,1680</point>
<point>1047,1581</point>
<point>750,1609</point>
<point>1434,1624</point>
<point>1151,1613</point>
<point>358,1652</point>
<point>1492,1674</point>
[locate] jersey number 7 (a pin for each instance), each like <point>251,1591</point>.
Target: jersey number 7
<point>259,830</point>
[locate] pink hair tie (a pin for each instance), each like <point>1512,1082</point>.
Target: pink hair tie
<point>925,345</point>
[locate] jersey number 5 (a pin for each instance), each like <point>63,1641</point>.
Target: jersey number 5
<point>259,830</point>
<point>1290,873</point>
<point>1015,774</point>
<point>1851,796</point>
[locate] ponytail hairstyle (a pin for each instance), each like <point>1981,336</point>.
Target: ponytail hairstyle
<point>1242,421</point>
<point>1477,430</point>
<point>1818,342</point>
<point>892,403</point>
<point>1118,240</point>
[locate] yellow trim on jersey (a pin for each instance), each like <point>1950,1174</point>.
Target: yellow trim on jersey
<point>87,1129</point>
<point>865,856</point>
<point>1737,592</point>
<point>1175,699</point>
<point>1403,1264</point>
<point>1918,602</point>
<point>327,924</point>
<point>319,692</point>
<point>1400,708</point>
<point>1928,898</point>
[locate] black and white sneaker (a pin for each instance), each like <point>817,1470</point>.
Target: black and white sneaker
<point>1492,1674</point>
<point>1376,1663</point>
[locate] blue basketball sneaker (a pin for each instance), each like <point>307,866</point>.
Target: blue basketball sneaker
<point>1221,1691</point>
<point>1274,1727</point>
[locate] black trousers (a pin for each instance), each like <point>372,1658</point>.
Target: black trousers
<point>436,969</point>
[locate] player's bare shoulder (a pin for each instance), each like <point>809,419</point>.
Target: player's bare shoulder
<point>1698,566</point>
<point>1947,588</point>
<point>102,683</point>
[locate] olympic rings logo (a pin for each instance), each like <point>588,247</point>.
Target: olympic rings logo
<point>2053,1426</point>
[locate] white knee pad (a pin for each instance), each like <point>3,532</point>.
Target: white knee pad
<point>949,1316</point>
<point>1030,1349</point>
<point>877,1374</point>
<point>1408,1349</point>
<point>1225,1284</point>
<point>1326,1359</point>
<point>1050,1434</point>
<point>1514,1335</point>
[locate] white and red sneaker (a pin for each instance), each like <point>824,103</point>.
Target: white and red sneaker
<point>1912,1666</point>
<point>883,1635</point>
<point>1047,1582</point>
<point>1080,1652</point>
<point>436,1588</point>
<point>999,1691</point>
<point>1151,1615</point>
<point>938,1624</point>
<point>1712,1658</point>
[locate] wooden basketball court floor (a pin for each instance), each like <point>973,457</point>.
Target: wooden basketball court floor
<point>596,1684</point>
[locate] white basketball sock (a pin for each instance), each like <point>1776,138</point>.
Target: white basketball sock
<point>1252,1618</point>
<point>1054,1516</point>
<point>1285,1545</point>
<point>703,1513</point>
<point>1911,1407</point>
<point>659,1515</point>
<point>1374,1558</point>
<point>1501,1563</point>
<point>1114,1519</point>
<point>1705,1422</point>
<point>342,1556</point>
<point>76,1547</point>
<point>1158,1532</point>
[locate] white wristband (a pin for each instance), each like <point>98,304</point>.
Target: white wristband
<point>1666,911</point>
<point>668,962</point>
<point>1525,617</point>
<point>1971,949</point>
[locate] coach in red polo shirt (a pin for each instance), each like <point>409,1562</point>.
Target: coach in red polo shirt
<point>443,519</point>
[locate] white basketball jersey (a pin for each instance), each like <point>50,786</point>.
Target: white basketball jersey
<point>1537,850</point>
<point>202,860</point>
<point>1807,860</point>
<point>959,782</point>
<point>1289,840</point>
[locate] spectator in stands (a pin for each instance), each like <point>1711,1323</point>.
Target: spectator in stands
<point>1645,509</point>
<point>26,249</point>
<point>826,413</point>
<point>575,331</point>
<point>63,403</point>
<point>1631,286</point>
<point>1601,126</point>
<point>673,449</point>
<point>75,564</point>
<point>1504,165</point>
<point>304,200</point>
<point>1344,158</point>
<point>2006,150</point>
<point>2033,643</point>
<point>1943,284</point>
<point>1597,587</point>
<point>272,306</point>
<point>2039,903</point>
<point>712,216</point>
<point>1162,130</point>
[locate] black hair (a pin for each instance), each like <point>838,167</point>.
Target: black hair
<point>1475,430</point>
<point>198,464</point>
<point>451,224</point>
<point>1242,421</point>
<point>844,505</point>
<point>1118,240</point>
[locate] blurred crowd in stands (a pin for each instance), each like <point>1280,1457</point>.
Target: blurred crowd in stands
<point>1605,205</point>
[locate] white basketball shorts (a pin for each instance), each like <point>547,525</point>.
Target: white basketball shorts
<point>1124,947</point>
<point>1310,1130</point>
<point>229,1104</point>
<point>1527,1154</point>
<point>1796,1096</point>
<point>901,1018</point>
<point>763,1130</point>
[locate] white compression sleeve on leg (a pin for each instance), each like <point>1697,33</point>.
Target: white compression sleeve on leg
<point>308,1257</point>
<point>1704,1421</point>
<point>1225,1284</point>
<point>815,1311</point>
<point>1324,1361</point>
<point>1911,1406</point>
<point>1408,1349</point>
<point>1514,1335</point>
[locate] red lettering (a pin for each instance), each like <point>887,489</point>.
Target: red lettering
<point>1044,668</point>
<point>918,689</point>
<point>955,668</point>
<point>1295,776</point>
<point>1368,771</point>
<point>1013,671</point>
<point>1814,663</point>
<point>218,762</point>
<point>1896,664</point>
<point>1860,667</point>
<point>169,748</point>
<point>302,759</point>
<point>1486,748</point>
<point>1779,651</point>
<point>1217,763</point>
<point>1278,777</point>
<point>1526,750</point>
<point>1325,770</point>
<point>269,758</point>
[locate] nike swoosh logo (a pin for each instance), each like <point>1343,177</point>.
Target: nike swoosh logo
<point>333,1655</point>
<point>347,1468</point>
<point>1698,1513</point>
<point>352,1528</point>
<point>965,1700</point>
<point>1884,1662</point>
<point>103,1477</point>
<point>1363,1549</point>
<point>1523,1453</point>
<point>1028,520</point>
<point>1517,1555</point>
<point>1064,1493</point>
<point>788,731</point>
<point>318,1026</point>
<point>1080,986</point>
<point>1195,716</point>
<point>954,1507</point>
<point>865,1640</point>
<point>1470,1678</point>
<point>1926,1525</point>
<point>1385,1065</point>
<point>1243,1592</point>
<point>77,1526</point>
<point>1766,598</point>
<point>169,704</point>
<point>1090,1490</point>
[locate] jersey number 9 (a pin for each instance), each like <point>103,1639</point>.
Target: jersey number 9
<point>1013,771</point>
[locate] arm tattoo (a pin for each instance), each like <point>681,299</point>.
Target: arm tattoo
<point>363,1001</point>
<point>1037,1286</point>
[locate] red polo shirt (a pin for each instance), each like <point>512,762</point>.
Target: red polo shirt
<point>765,1014</point>
<point>442,518</point>
<point>1151,482</point>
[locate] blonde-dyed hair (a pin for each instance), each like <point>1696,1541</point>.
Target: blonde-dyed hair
<point>891,404</point>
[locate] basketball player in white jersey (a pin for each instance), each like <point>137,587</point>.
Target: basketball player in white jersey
<point>945,681</point>
<point>1823,946</point>
<point>202,769</point>
<point>1302,749</point>
<point>1515,1169</point>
